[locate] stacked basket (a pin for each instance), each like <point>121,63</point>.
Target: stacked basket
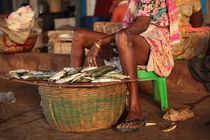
<point>82,109</point>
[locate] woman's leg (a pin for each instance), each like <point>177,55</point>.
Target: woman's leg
<point>133,50</point>
<point>82,39</point>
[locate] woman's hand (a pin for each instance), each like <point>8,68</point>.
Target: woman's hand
<point>92,54</point>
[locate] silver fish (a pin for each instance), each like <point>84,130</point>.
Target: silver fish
<point>80,76</point>
<point>35,72</point>
<point>73,71</point>
<point>57,76</point>
<point>102,70</point>
<point>35,77</point>
<point>116,75</point>
<point>88,69</point>
<point>12,74</point>
<point>67,79</point>
<point>68,69</point>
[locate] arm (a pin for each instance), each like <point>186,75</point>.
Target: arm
<point>141,25</point>
<point>138,27</point>
<point>196,20</point>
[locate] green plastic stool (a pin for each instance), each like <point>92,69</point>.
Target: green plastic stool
<point>159,86</point>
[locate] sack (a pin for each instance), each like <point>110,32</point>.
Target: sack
<point>19,25</point>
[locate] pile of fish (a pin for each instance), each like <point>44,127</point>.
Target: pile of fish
<point>70,75</point>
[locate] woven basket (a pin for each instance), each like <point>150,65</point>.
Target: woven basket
<point>7,46</point>
<point>107,27</point>
<point>83,109</point>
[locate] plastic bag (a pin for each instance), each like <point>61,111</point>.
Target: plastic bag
<point>7,98</point>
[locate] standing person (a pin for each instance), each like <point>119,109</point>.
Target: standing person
<point>145,40</point>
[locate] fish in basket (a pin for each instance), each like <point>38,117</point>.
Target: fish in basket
<point>69,75</point>
<point>79,109</point>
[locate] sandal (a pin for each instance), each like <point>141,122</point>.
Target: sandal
<point>136,122</point>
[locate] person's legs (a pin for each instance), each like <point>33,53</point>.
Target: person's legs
<point>133,50</point>
<point>82,39</point>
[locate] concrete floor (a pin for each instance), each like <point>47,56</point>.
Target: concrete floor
<point>23,120</point>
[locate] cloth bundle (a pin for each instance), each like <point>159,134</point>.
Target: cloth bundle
<point>19,25</point>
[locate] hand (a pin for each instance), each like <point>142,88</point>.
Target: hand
<point>92,56</point>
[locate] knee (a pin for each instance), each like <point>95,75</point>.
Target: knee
<point>79,34</point>
<point>121,37</point>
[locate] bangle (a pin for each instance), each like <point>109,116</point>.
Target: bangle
<point>97,45</point>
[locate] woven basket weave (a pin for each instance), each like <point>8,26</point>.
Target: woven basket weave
<point>7,46</point>
<point>107,27</point>
<point>83,109</point>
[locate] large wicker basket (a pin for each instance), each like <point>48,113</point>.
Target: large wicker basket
<point>83,109</point>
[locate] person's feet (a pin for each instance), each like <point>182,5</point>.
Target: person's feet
<point>132,122</point>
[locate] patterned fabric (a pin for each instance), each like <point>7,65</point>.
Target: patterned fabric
<point>156,9</point>
<point>174,23</point>
<point>193,41</point>
<point>161,50</point>
<point>157,34</point>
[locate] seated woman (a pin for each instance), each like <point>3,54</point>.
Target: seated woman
<point>194,38</point>
<point>144,40</point>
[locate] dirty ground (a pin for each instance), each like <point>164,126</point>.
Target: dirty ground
<point>23,120</point>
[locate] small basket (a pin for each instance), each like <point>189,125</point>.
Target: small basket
<point>8,47</point>
<point>107,27</point>
<point>83,109</point>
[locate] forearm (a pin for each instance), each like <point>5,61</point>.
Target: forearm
<point>140,26</point>
<point>106,40</point>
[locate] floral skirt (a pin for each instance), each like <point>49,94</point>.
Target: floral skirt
<point>161,50</point>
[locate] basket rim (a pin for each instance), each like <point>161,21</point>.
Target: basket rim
<point>46,84</point>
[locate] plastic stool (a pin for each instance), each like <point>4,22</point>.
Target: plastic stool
<point>159,86</point>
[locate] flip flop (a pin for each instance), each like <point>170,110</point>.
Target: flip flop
<point>139,123</point>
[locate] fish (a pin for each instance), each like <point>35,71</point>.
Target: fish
<point>17,73</point>
<point>116,75</point>
<point>104,79</point>
<point>88,69</point>
<point>80,76</point>
<point>83,80</point>
<point>68,69</point>
<point>57,75</point>
<point>67,79</point>
<point>35,77</point>
<point>103,70</point>
<point>12,74</point>
<point>34,72</point>
<point>73,71</point>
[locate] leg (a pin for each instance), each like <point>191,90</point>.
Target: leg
<point>133,50</point>
<point>84,39</point>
